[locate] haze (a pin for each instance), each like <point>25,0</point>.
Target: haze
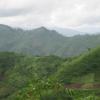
<point>81,15</point>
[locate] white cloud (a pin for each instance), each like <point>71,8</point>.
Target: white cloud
<point>59,13</point>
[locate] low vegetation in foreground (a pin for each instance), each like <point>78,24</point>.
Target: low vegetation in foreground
<point>50,77</point>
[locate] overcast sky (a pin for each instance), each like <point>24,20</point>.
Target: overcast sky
<point>50,13</point>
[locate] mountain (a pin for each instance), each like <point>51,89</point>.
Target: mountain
<point>84,69</point>
<point>42,41</point>
<point>37,42</point>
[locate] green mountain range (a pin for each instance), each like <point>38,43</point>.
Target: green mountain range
<point>43,42</point>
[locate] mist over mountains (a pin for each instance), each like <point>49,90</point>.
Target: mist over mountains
<point>68,31</point>
<point>42,41</point>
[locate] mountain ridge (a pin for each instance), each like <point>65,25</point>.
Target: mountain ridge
<point>42,41</point>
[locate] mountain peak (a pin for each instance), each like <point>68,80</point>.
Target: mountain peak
<point>42,28</point>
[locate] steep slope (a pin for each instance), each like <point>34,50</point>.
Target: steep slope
<point>9,37</point>
<point>82,69</point>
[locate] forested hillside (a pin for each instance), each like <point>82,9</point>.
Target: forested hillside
<point>49,78</point>
<point>16,71</point>
<point>83,69</point>
<point>42,42</point>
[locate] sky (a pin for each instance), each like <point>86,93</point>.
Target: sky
<point>77,14</point>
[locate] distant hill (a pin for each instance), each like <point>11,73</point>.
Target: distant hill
<point>42,41</point>
<point>83,69</point>
<point>68,31</point>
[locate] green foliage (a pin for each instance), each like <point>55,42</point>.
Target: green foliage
<point>46,78</point>
<point>16,71</point>
<point>83,69</point>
